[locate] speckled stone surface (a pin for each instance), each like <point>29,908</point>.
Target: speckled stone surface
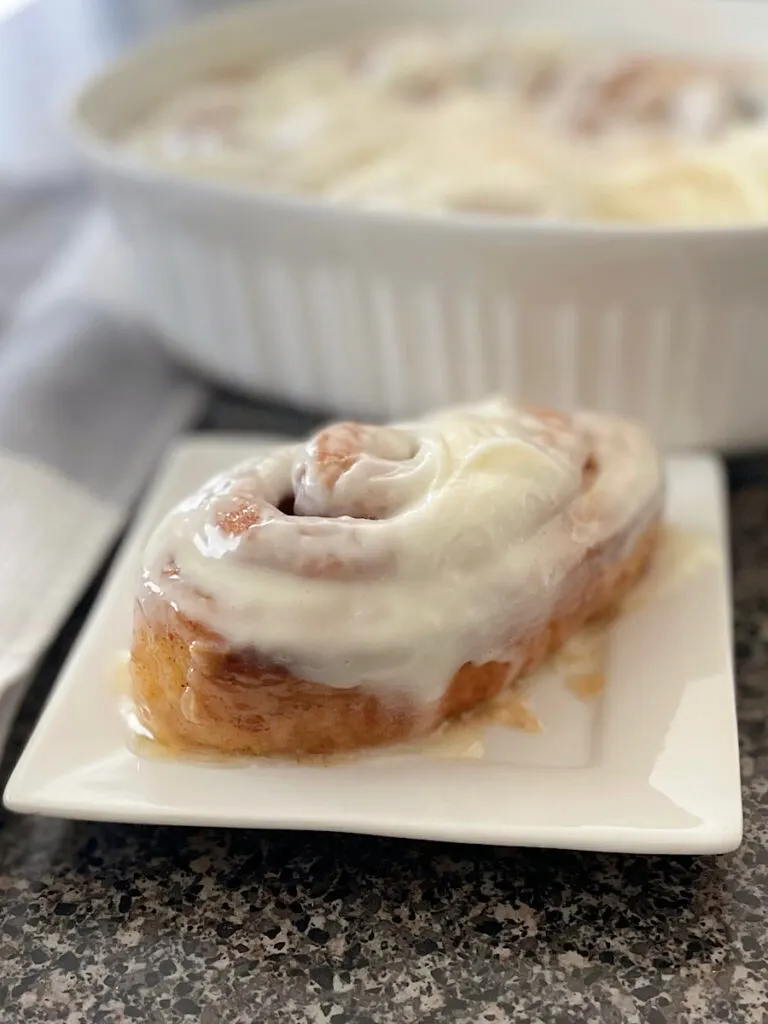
<point>116,923</point>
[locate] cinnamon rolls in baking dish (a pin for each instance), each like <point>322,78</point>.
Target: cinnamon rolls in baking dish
<point>481,120</point>
<point>363,587</point>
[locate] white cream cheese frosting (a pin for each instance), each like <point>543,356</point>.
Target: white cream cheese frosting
<point>388,557</point>
<point>481,120</point>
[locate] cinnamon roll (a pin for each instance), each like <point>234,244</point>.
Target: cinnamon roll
<point>363,587</point>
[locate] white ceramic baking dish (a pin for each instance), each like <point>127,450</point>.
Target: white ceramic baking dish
<point>384,314</point>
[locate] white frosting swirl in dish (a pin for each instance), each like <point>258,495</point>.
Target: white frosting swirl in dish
<point>484,121</point>
<point>391,556</point>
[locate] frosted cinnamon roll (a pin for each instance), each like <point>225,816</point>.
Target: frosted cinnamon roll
<point>363,587</point>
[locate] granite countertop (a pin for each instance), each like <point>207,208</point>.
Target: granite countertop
<point>118,923</point>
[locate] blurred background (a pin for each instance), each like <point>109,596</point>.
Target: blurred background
<point>641,320</point>
<point>47,48</point>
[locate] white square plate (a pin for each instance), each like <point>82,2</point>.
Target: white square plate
<point>650,765</point>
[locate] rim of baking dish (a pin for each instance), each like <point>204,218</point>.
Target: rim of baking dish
<point>104,151</point>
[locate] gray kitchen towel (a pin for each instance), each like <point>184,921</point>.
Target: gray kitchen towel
<point>88,403</point>
<point>35,220</point>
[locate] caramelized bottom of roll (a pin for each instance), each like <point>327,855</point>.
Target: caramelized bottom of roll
<point>193,694</point>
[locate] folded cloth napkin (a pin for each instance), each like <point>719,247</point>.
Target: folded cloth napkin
<point>88,402</point>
